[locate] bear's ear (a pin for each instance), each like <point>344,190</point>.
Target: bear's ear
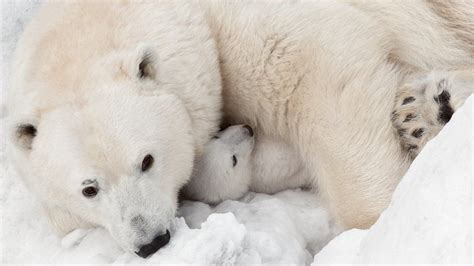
<point>24,134</point>
<point>143,63</point>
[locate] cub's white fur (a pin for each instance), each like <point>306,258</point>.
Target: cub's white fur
<point>231,165</point>
<point>98,85</point>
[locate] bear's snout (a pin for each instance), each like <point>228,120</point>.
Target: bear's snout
<point>158,242</point>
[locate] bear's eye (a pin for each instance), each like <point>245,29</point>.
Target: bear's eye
<point>147,162</point>
<point>90,192</point>
<point>234,161</point>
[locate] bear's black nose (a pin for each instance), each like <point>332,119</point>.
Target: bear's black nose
<point>249,129</point>
<point>157,243</point>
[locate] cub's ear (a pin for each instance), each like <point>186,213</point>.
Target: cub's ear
<point>63,221</point>
<point>142,63</point>
<point>24,134</point>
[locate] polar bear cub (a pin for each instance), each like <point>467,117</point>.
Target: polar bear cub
<point>234,162</point>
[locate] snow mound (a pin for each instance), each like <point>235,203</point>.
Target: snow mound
<point>430,217</point>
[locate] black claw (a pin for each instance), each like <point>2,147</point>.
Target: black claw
<point>408,100</point>
<point>417,133</point>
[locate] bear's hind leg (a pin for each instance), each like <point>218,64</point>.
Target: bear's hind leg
<point>425,104</point>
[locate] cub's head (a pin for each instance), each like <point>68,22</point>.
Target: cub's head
<point>228,153</point>
<point>223,170</point>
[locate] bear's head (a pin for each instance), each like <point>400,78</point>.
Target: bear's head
<point>116,156</point>
<point>105,122</point>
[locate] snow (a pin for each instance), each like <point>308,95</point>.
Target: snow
<point>288,227</point>
<point>429,220</point>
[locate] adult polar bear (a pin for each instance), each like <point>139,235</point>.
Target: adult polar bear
<point>110,102</point>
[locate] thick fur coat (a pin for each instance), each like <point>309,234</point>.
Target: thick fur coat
<point>97,86</point>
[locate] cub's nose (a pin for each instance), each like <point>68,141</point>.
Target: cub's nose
<point>157,243</point>
<point>249,130</point>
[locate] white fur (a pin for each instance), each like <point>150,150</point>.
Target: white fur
<point>97,118</point>
<point>319,78</point>
<point>215,177</point>
<point>322,77</point>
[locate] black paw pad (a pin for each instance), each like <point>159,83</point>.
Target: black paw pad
<point>408,100</point>
<point>444,97</point>
<point>409,117</point>
<point>445,110</point>
<point>395,115</point>
<point>412,148</point>
<point>417,133</point>
<point>401,132</point>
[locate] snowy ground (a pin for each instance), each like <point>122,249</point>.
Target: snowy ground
<point>430,219</point>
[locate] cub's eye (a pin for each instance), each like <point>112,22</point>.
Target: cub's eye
<point>147,162</point>
<point>234,161</point>
<point>90,192</point>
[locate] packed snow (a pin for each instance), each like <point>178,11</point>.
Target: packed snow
<point>429,220</point>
